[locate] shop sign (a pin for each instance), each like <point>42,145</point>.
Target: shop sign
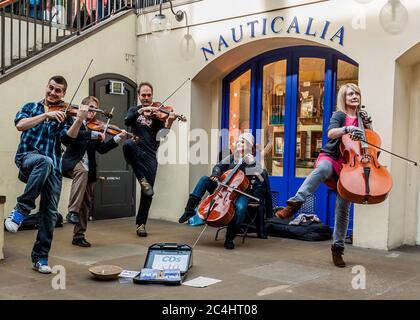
<point>277,25</point>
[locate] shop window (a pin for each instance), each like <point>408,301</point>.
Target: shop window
<point>346,72</point>
<point>310,114</point>
<point>273,116</point>
<point>239,103</point>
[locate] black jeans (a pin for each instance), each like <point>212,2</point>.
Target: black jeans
<point>144,165</point>
<point>41,179</point>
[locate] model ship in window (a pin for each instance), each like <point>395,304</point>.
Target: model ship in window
<point>311,104</point>
<point>307,107</point>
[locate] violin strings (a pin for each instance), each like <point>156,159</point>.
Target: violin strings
<point>202,231</point>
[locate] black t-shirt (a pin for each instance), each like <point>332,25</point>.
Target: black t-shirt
<point>148,130</point>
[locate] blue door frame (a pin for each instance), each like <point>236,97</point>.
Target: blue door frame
<point>287,185</point>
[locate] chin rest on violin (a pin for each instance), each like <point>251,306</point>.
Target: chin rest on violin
<point>71,109</point>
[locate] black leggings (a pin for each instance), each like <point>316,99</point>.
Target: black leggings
<point>144,165</point>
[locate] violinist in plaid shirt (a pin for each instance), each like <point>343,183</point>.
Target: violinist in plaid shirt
<point>38,158</point>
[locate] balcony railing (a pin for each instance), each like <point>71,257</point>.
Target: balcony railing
<point>141,4</point>
<point>30,26</point>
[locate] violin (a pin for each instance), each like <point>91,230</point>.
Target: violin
<point>218,209</point>
<point>164,111</point>
<point>97,125</point>
<point>363,179</point>
<point>71,109</point>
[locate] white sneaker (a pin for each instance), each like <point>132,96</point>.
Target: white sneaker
<point>13,221</point>
<point>42,266</point>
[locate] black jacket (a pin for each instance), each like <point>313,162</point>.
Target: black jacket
<point>332,147</point>
<point>76,148</point>
<point>258,188</point>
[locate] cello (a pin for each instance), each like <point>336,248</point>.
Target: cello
<point>363,179</point>
<point>218,209</point>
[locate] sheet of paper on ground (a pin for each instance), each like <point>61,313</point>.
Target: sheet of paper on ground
<point>201,282</point>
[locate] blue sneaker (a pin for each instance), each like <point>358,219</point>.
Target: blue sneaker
<point>42,266</point>
<point>14,220</point>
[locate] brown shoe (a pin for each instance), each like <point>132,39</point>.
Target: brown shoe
<point>337,253</point>
<point>288,211</point>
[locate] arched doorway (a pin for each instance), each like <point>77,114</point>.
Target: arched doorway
<point>286,97</point>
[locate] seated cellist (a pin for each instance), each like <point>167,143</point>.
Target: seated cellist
<point>242,152</point>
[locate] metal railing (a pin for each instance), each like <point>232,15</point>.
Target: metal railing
<point>141,4</point>
<point>30,26</point>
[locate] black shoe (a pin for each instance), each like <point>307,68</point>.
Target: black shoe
<point>73,218</point>
<point>59,223</point>
<point>229,244</point>
<point>81,242</point>
<point>192,203</point>
<point>146,188</point>
<point>186,216</point>
<point>141,230</point>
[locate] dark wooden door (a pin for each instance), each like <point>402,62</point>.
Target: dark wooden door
<point>115,189</point>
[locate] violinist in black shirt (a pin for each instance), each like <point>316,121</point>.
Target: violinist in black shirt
<point>142,153</point>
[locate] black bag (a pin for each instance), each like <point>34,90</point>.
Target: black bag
<point>31,222</point>
<point>308,231</point>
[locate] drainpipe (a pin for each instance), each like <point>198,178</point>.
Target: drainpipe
<point>2,201</point>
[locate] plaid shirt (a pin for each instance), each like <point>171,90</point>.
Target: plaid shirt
<point>44,138</point>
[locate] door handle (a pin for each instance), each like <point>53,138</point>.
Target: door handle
<point>101,178</point>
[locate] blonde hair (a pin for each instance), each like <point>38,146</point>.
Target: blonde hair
<point>341,96</point>
<point>89,99</point>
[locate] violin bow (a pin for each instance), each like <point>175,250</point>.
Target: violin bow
<point>107,123</point>
<point>391,153</point>
<point>395,155</point>
<point>68,106</point>
<point>175,91</point>
<point>239,191</point>
<point>80,83</point>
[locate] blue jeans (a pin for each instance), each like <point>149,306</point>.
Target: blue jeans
<point>42,179</point>
<point>322,172</point>
<point>241,205</point>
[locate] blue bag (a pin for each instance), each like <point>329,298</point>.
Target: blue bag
<point>195,220</point>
